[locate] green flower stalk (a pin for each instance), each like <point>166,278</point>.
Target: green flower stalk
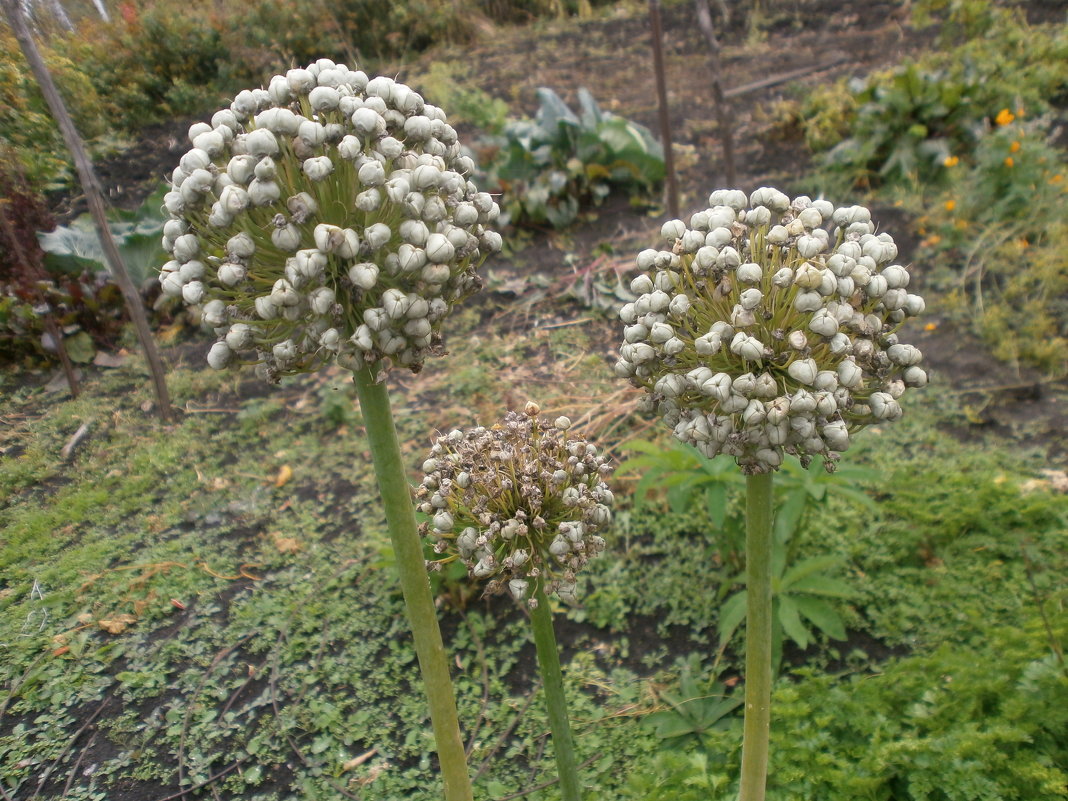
<point>520,504</point>
<point>768,327</point>
<point>329,218</point>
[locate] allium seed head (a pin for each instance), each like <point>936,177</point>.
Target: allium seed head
<point>310,183</point>
<point>786,341</point>
<point>521,503</point>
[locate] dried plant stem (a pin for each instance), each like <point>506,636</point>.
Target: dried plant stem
<point>723,124</point>
<point>541,618</point>
<point>400,519</point>
<point>757,727</point>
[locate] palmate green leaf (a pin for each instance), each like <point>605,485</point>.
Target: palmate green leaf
<point>823,585</point>
<point>731,614</point>
<point>669,723</point>
<point>790,619</point>
<point>823,616</point>
<point>716,503</point>
<point>808,567</point>
<point>788,515</point>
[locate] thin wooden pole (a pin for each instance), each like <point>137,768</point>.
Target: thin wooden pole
<point>662,102</point>
<point>723,123</point>
<point>95,199</point>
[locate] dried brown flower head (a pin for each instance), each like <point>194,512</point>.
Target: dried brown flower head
<point>518,503</point>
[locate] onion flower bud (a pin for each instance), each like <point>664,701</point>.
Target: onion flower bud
<point>401,215</point>
<point>793,346</point>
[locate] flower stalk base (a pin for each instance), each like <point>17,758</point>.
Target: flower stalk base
<point>757,727</point>
<point>400,519</point>
<point>541,618</point>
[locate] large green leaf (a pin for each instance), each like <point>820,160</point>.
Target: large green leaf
<point>790,619</point>
<point>731,614</point>
<point>553,112</point>
<point>822,615</point>
<point>589,112</point>
<point>822,585</point>
<point>76,247</point>
<point>808,567</point>
<point>788,515</point>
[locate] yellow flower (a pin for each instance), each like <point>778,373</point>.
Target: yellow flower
<point>950,161</point>
<point>1014,147</point>
<point>950,205</point>
<point>1056,179</point>
<point>1004,117</point>
<point>1009,162</point>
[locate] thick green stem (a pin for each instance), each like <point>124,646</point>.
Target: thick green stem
<point>757,728</point>
<point>541,618</point>
<point>400,518</point>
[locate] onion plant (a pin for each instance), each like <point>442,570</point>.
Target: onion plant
<point>520,504</point>
<point>329,218</point>
<point>768,327</point>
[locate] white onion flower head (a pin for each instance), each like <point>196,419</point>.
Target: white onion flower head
<point>521,504</point>
<point>313,182</point>
<point>787,340</point>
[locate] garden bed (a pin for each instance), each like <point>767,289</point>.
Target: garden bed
<point>207,609</point>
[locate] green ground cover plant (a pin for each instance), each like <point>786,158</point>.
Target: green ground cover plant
<point>939,726</point>
<point>211,608</point>
<point>927,571</point>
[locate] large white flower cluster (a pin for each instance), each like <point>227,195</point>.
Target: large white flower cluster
<point>328,216</point>
<point>769,326</point>
<point>517,503</point>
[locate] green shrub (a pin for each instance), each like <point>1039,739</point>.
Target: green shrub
<point>900,125</point>
<point>999,224</point>
<point>549,167</point>
<point>948,726</point>
<point>26,124</point>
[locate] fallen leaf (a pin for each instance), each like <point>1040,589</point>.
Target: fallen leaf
<point>117,624</point>
<point>285,544</point>
<point>285,473</point>
<point>355,762</point>
<point>177,604</point>
<point>104,359</point>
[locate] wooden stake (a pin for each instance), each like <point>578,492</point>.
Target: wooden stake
<point>95,198</point>
<point>662,101</point>
<point>723,124</point>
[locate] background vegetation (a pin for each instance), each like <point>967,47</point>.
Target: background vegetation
<point>210,608</point>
